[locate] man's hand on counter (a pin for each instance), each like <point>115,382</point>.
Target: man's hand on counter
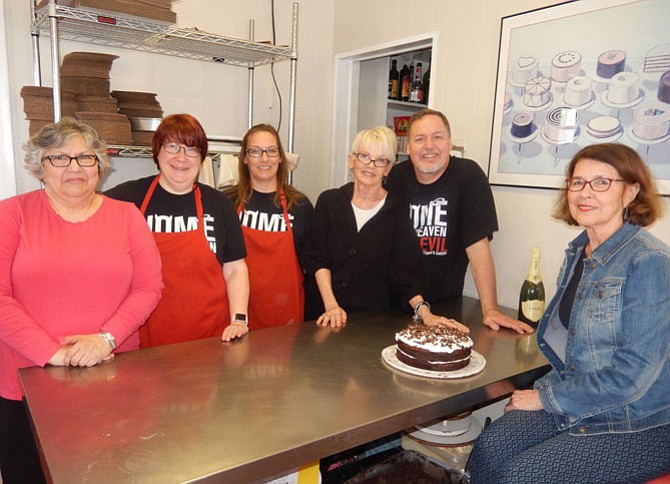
<point>495,320</point>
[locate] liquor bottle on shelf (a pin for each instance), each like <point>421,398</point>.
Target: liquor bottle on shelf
<point>394,79</point>
<point>405,83</point>
<point>426,84</point>
<point>416,91</point>
<point>531,297</point>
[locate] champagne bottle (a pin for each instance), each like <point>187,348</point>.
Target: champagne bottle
<point>531,298</point>
<point>394,79</point>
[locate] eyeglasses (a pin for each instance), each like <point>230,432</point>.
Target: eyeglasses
<point>256,152</point>
<point>577,184</point>
<point>61,161</point>
<point>367,159</point>
<point>174,148</point>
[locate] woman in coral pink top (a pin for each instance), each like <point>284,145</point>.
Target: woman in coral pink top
<point>79,273</point>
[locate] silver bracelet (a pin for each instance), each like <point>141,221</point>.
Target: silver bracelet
<point>417,308</point>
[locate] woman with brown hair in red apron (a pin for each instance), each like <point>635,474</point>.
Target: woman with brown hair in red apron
<point>199,238</point>
<point>275,221</point>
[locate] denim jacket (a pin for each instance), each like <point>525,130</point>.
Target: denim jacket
<point>615,373</point>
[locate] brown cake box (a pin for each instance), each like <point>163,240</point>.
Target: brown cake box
<point>113,128</point>
<point>142,138</point>
<point>135,97</point>
<point>87,64</point>
<point>38,102</point>
<point>35,125</point>
<point>104,104</point>
<point>141,111</point>
<point>86,86</point>
<point>151,9</point>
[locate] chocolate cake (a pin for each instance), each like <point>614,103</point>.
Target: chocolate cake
<point>435,348</point>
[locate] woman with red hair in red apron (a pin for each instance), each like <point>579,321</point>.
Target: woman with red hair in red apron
<point>199,238</point>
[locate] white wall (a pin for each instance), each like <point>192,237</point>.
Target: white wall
<point>464,89</point>
<point>216,94</point>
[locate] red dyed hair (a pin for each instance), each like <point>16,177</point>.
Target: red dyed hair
<point>183,129</point>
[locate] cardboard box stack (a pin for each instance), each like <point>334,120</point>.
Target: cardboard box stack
<point>160,10</point>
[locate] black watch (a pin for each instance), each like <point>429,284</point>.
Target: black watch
<point>240,318</point>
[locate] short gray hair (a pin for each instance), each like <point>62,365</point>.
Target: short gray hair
<point>381,137</point>
<point>54,135</point>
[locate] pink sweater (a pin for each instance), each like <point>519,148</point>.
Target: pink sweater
<point>59,278</point>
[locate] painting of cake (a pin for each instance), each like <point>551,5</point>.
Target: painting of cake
<point>657,59</point>
<point>623,90</point>
<point>525,69</point>
<point>651,122</point>
<point>578,92</point>
<point>537,92</point>
<point>565,66</point>
<point>603,129</point>
<point>561,125</point>
<point>611,62</point>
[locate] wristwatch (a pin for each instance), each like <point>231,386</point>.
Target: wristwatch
<point>240,318</point>
<point>107,336</point>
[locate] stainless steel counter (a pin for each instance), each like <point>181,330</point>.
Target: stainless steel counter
<point>260,407</point>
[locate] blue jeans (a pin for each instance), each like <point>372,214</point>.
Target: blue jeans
<point>526,447</point>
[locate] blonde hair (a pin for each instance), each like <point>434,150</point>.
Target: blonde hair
<point>380,137</point>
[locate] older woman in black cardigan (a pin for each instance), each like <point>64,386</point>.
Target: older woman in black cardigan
<point>362,250</point>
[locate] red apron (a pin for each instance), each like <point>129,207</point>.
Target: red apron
<point>276,294</point>
<point>195,300</point>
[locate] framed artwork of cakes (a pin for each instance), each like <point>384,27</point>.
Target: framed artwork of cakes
<point>580,73</point>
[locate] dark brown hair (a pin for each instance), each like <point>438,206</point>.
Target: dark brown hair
<point>644,209</point>
<point>183,129</point>
<point>241,192</point>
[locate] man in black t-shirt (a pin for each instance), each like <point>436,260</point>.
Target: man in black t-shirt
<point>453,212</point>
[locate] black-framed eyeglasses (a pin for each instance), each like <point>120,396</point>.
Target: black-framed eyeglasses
<point>174,148</point>
<point>257,152</point>
<point>600,184</point>
<point>366,159</point>
<point>62,160</point>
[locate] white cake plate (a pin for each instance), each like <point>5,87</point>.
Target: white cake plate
<point>476,365</point>
<point>630,104</point>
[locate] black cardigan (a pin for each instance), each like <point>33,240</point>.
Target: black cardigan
<point>377,268</point>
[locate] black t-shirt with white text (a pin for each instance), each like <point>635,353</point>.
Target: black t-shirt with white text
<point>172,213</point>
<point>448,215</point>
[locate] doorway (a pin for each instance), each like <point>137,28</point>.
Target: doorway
<point>362,75</point>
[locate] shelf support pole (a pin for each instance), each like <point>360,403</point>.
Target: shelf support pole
<point>35,39</point>
<point>250,88</point>
<point>55,59</point>
<point>293,77</point>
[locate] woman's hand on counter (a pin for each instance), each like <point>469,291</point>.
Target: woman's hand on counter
<point>335,317</point>
<point>85,349</point>
<point>524,400</point>
<point>430,319</point>
<point>234,330</point>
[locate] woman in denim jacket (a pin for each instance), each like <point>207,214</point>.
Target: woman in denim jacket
<point>602,414</point>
